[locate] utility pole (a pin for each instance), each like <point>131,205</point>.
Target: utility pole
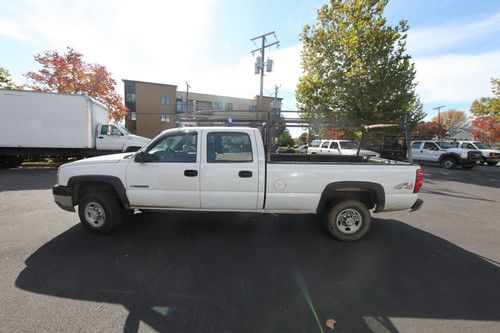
<point>439,118</point>
<point>187,97</point>
<point>262,50</point>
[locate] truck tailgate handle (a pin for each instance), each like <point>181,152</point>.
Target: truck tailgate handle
<point>245,174</point>
<point>190,173</point>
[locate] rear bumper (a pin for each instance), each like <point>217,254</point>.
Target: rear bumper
<point>63,196</point>
<point>417,205</point>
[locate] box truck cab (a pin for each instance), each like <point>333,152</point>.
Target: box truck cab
<point>116,138</point>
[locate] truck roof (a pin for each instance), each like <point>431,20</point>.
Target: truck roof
<point>217,128</point>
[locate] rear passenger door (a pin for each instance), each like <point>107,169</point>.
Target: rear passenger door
<point>229,170</point>
<point>416,151</point>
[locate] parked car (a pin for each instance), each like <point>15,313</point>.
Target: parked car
<point>225,169</point>
<point>58,125</point>
<point>439,151</point>
<point>338,147</point>
<point>489,155</point>
<point>302,149</point>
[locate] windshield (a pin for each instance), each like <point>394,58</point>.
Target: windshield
<point>315,143</point>
<point>444,145</point>
<point>481,145</point>
<point>123,130</point>
<point>348,145</point>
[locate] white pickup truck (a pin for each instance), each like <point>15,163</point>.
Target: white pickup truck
<point>443,153</point>
<point>338,147</point>
<point>225,169</point>
<point>489,155</point>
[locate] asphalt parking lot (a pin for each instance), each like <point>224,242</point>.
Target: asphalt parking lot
<point>437,269</point>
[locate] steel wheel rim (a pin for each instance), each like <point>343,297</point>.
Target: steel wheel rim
<point>349,221</point>
<point>448,164</point>
<point>94,214</point>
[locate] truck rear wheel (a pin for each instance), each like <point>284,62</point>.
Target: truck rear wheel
<point>492,163</point>
<point>449,163</point>
<point>348,220</point>
<point>100,212</point>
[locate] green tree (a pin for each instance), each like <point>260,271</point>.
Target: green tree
<point>285,139</point>
<point>356,66</point>
<point>5,80</point>
<point>488,106</point>
<point>303,138</point>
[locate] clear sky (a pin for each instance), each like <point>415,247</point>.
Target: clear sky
<point>455,43</point>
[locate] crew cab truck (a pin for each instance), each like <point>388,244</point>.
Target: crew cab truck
<point>489,156</point>
<point>225,169</point>
<point>338,147</point>
<point>57,125</point>
<point>443,153</point>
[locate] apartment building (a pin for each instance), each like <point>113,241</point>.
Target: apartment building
<point>154,107</point>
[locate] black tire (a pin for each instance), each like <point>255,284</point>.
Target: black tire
<point>492,163</point>
<point>482,161</point>
<point>448,163</point>
<point>339,229</point>
<point>103,202</point>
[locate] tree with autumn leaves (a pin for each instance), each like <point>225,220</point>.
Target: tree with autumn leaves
<point>68,73</point>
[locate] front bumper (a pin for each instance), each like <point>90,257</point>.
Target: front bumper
<point>417,205</point>
<point>63,196</point>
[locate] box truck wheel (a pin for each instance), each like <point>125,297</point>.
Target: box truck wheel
<point>100,212</point>
<point>348,220</point>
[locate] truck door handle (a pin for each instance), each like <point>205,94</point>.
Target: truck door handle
<point>245,174</point>
<point>101,137</point>
<point>190,173</point>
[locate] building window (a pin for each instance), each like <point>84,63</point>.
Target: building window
<point>252,108</point>
<point>164,118</point>
<point>133,115</point>
<point>229,106</point>
<point>165,100</point>
<point>180,105</point>
<point>130,98</point>
<point>217,106</point>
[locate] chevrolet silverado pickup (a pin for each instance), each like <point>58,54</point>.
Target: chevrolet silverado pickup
<point>226,169</point>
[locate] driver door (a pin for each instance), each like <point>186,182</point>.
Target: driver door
<point>170,176</point>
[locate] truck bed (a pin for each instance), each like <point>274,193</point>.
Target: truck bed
<point>307,158</point>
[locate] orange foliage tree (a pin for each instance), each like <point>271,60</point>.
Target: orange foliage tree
<point>486,129</point>
<point>68,73</point>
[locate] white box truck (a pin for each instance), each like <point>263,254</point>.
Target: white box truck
<point>58,125</point>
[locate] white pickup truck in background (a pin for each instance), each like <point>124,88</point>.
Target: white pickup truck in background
<point>338,147</point>
<point>60,125</point>
<point>440,151</point>
<point>225,169</point>
<point>489,155</point>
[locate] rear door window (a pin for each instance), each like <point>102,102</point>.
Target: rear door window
<point>229,147</point>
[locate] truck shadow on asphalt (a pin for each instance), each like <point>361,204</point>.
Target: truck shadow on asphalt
<point>183,272</point>
<point>487,176</point>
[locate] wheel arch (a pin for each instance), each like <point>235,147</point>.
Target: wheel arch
<point>372,194</point>
<point>450,155</point>
<point>78,183</point>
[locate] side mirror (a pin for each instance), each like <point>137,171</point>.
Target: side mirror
<point>141,157</point>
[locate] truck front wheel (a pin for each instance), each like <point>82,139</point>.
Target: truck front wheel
<point>348,220</point>
<point>100,212</point>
